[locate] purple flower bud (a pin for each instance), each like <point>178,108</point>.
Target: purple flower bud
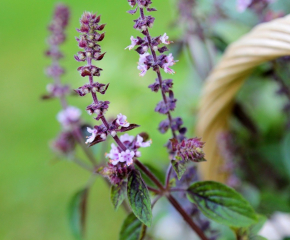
<point>163,126</point>
<point>100,108</point>
<point>69,116</point>
<point>115,173</point>
<point>132,3</point>
<point>56,90</point>
<point>163,49</point>
<point>54,71</point>
<point>143,24</point>
<point>64,144</point>
<point>89,71</point>
<point>190,149</point>
<point>144,3</point>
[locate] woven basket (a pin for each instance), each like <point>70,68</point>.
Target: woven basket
<point>265,42</point>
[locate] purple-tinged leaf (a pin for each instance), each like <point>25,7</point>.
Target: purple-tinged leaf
<point>139,198</point>
<point>222,204</point>
<point>118,194</point>
<point>133,11</point>
<point>151,9</point>
<point>131,126</point>
<point>97,140</point>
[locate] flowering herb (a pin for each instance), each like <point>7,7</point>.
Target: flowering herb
<point>122,168</point>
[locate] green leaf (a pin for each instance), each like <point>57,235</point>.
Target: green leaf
<point>222,204</point>
<point>131,228</point>
<point>257,237</point>
<point>118,194</point>
<point>179,167</point>
<point>255,228</point>
<point>77,213</point>
<point>138,197</point>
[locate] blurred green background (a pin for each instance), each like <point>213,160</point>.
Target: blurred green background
<point>35,189</point>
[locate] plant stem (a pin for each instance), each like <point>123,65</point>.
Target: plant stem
<point>78,136</point>
<point>177,190</point>
<point>172,200</point>
<point>168,174</point>
<point>82,164</point>
<point>186,217</point>
<point>153,189</point>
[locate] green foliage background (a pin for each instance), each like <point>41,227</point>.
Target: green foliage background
<point>35,188</point>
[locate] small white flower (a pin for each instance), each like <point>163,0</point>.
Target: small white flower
<point>169,62</point>
<point>143,69</point>
<point>94,132</point>
<point>140,143</point>
<point>127,157</point>
<point>133,43</point>
<point>164,38</point>
<point>122,120</point>
<point>114,155</point>
<point>126,137</point>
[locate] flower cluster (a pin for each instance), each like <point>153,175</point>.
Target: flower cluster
<point>99,133</point>
<point>146,60</point>
<point>132,144</point>
<point>189,149</point>
<point>69,116</point>
<point>152,60</point>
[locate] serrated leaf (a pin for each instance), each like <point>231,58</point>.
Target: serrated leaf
<point>131,228</point>
<point>77,213</point>
<point>138,197</point>
<point>179,167</point>
<point>118,194</point>
<point>221,204</point>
